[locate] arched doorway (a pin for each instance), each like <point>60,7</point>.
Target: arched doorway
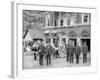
<point>73,37</point>
<point>85,37</point>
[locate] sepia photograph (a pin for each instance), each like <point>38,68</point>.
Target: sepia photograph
<point>55,39</point>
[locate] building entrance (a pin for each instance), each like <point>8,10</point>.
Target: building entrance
<point>55,42</point>
<point>87,42</point>
<point>74,40</point>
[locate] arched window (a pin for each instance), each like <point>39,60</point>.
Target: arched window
<point>72,34</point>
<point>85,33</point>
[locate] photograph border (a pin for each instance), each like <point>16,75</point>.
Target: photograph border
<point>16,57</point>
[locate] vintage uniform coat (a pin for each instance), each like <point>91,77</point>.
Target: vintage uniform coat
<point>41,50</point>
<point>49,50</point>
<point>84,49</point>
<point>68,47</point>
<point>77,50</point>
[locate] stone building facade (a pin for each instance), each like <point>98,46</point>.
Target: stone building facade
<point>58,27</point>
<point>63,26</point>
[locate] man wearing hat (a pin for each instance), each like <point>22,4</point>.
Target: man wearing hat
<point>77,53</point>
<point>71,52</point>
<point>49,51</point>
<point>68,47</point>
<point>41,53</point>
<point>84,51</point>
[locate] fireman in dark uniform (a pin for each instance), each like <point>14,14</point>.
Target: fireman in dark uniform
<point>84,51</point>
<point>68,46</point>
<point>41,53</point>
<point>49,51</point>
<point>77,53</point>
<point>71,52</point>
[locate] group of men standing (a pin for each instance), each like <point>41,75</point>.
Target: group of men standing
<point>45,51</point>
<point>76,50</point>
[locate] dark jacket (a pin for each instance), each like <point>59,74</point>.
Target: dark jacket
<point>84,49</point>
<point>49,50</point>
<point>34,49</point>
<point>77,50</point>
<point>68,47</point>
<point>72,48</point>
<point>41,49</point>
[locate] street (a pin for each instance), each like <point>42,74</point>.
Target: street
<point>30,63</point>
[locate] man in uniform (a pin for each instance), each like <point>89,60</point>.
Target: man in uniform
<point>41,53</point>
<point>84,51</point>
<point>77,53</point>
<point>35,50</point>
<point>67,51</point>
<point>49,51</point>
<point>71,52</point>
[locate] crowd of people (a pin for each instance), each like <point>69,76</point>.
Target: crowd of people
<point>76,50</point>
<point>47,50</point>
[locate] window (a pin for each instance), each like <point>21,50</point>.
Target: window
<point>55,23</point>
<point>61,22</point>
<point>86,18</point>
<point>48,22</point>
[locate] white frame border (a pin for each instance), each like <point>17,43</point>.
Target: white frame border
<point>16,67</point>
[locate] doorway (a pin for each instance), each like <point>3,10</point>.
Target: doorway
<point>64,40</point>
<point>74,40</point>
<point>55,42</point>
<point>87,42</point>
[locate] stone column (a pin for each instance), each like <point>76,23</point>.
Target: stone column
<point>82,17</point>
<point>46,21</point>
<point>79,41</point>
<point>67,39</point>
<point>51,41</point>
<point>88,18</point>
<point>53,19</point>
<point>60,40</point>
